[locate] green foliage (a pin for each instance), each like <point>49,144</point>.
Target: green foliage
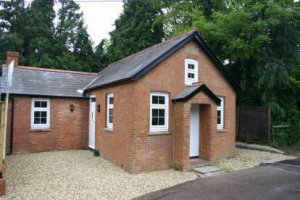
<point>100,57</point>
<point>38,33</point>
<point>136,29</point>
<point>31,32</point>
<point>73,46</point>
<point>11,27</point>
<point>259,39</point>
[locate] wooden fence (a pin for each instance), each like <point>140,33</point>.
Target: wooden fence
<point>253,123</point>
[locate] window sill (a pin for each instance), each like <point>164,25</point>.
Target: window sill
<point>221,130</point>
<point>159,133</point>
<point>109,130</point>
<point>32,130</point>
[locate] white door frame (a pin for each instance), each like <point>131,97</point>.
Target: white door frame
<point>92,122</point>
<point>195,130</point>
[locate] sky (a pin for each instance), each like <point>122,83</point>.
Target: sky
<point>99,16</point>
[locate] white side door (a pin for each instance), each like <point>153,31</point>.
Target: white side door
<point>194,131</point>
<point>92,120</point>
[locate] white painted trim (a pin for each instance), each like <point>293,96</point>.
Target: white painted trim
<point>159,128</point>
<point>92,123</point>
<point>40,126</point>
<point>190,81</point>
<point>221,108</point>
<point>109,106</point>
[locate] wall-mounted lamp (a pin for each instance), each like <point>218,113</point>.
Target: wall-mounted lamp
<point>98,108</point>
<point>72,107</point>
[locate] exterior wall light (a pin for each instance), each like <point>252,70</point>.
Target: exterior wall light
<point>72,107</point>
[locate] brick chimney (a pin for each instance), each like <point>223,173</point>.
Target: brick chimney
<point>10,56</point>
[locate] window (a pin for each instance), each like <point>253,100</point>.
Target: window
<point>109,111</point>
<point>40,113</point>
<point>191,71</point>
<point>220,114</point>
<point>159,112</point>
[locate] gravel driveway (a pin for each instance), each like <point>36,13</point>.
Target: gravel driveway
<point>80,175</point>
<point>245,158</point>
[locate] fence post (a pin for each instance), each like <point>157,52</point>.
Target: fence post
<point>237,123</point>
<point>2,125</point>
<point>270,125</point>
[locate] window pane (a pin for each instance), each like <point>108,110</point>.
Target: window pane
<point>162,121</point>
<point>161,100</point>
<point>111,100</point>
<point>43,114</point>
<point>110,119</point>
<point>219,117</point>
<point>43,104</point>
<point>161,113</point>
<point>191,75</point>
<point>43,120</point>
<point>154,112</point>
<point>37,114</point>
<point>37,117</point>
<point>37,120</point>
<point>154,99</point>
<point>191,66</point>
<point>37,104</point>
<point>154,121</point>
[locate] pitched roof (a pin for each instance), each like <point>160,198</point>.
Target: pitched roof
<point>133,67</point>
<point>191,91</point>
<point>46,82</point>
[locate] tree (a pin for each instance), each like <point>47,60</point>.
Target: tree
<point>11,27</point>
<point>38,33</point>
<point>136,29</point>
<point>100,58</point>
<point>260,41</point>
<point>72,40</point>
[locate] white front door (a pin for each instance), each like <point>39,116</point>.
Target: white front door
<point>194,131</point>
<point>92,120</point>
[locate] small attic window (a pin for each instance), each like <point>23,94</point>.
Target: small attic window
<point>191,71</point>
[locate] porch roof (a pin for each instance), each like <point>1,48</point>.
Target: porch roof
<point>191,91</point>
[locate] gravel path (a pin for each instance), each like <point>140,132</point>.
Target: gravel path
<point>80,175</point>
<point>246,158</point>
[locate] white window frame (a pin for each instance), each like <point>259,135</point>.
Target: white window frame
<point>220,126</point>
<point>159,128</point>
<point>33,109</point>
<point>190,81</point>
<point>109,106</point>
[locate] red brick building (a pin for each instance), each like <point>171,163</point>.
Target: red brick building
<point>153,110</point>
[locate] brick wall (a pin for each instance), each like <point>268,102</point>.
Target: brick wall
<point>169,77</point>
<point>131,146</point>
<point>68,130</point>
<point>116,145</point>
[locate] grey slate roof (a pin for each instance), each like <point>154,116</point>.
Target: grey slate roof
<point>133,67</point>
<point>186,92</point>
<point>128,67</point>
<point>191,91</point>
<point>41,82</point>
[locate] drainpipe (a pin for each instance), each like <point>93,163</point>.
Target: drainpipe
<point>12,125</point>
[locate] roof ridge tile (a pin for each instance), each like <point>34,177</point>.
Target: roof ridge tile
<point>56,70</point>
